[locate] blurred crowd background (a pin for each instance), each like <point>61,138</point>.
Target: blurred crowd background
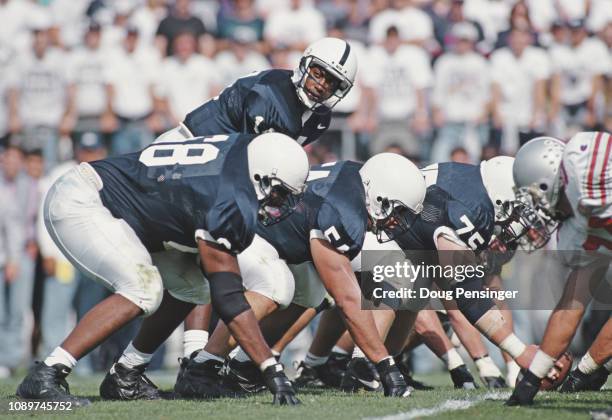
<point>438,80</point>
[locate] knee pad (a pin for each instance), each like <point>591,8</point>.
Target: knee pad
<point>227,295</point>
<point>149,295</point>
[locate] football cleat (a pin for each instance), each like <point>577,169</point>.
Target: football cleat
<point>48,383</point>
<point>124,383</point>
<point>578,381</point>
<point>494,382</point>
<point>244,377</point>
<point>328,374</point>
<point>361,374</point>
<point>462,378</point>
<point>526,390</point>
<point>203,381</point>
<point>403,363</point>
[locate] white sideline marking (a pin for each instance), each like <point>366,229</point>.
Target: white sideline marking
<point>449,405</point>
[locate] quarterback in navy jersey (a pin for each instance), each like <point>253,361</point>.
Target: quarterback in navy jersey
<point>297,103</point>
<point>205,194</point>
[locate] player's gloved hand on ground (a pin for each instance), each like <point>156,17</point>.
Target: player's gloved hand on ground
<point>392,379</point>
<point>279,386</point>
<point>526,389</point>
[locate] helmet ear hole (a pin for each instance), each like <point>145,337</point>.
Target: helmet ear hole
<point>256,177</point>
<point>543,186</point>
<point>498,202</point>
<point>379,198</point>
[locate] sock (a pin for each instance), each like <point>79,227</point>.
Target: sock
<point>608,365</point>
<point>275,353</point>
<point>452,359</point>
<point>312,360</point>
<point>487,368</point>
<point>587,365</point>
<point>340,350</point>
<point>203,356</point>
<point>512,373</point>
<point>59,355</point>
<point>357,353</point>
<point>194,340</point>
<point>541,364</point>
<point>133,357</point>
<point>242,357</point>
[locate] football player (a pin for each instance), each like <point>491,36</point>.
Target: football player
<point>203,195</point>
<point>295,103</point>
<point>462,206</point>
<point>567,185</point>
<point>342,201</point>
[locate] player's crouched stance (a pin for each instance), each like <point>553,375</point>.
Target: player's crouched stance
<point>203,194</point>
<point>568,185</point>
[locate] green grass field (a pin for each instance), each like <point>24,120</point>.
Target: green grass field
<point>442,403</point>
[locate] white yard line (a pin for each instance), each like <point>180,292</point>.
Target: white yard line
<point>449,405</point>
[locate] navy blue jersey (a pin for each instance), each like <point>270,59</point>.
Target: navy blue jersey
<point>457,200</point>
<point>333,209</point>
<point>264,101</point>
<point>168,192</point>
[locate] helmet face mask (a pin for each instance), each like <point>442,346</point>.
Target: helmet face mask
<point>326,74</point>
<point>397,219</point>
<point>279,199</point>
<point>537,217</point>
<point>315,73</point>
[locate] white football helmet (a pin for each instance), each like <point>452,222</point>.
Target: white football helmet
<point>278,168</point>
<point>536,173</point>
<point>498,181</point>
<point>395,190</point>
<point>338,60</point>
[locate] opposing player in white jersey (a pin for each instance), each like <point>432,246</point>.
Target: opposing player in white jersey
<point>568,184</point>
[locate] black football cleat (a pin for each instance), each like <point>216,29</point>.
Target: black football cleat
<point>126,384</point>
<point>244,377</point>
<point>48,383</point>
<point>577,381</point>
<point>462,378</point>
<point>203,381</point>
<point>361,374</point>
<point>308,376</point>
<point>526,390</point>
<point>494,382</point>
<point>403,364</point>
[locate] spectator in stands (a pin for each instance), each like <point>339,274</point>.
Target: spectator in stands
<point>186,80</point>
<point>38,96</point>
<point>354,20</point>
<point>61,277</point>
<point>519,75</point>
<point>147,18</point>
<point>398,76</point>
<point>460,155</point>
<point>240,21</point>
<point>131,74</point>
<point>454,15</point>
<point>240,59</point>
<point>86,75</point>
<point>17,255</point>
<point>578,80</point>
<point>296,26</point>
<point>179,20</point>
<point>461,96</point>
<point>519,16</point>
<point>414,25</point>
<point>113,34</point>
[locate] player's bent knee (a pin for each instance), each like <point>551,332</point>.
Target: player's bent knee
<point>147,293</point>
<point>227,295</point>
